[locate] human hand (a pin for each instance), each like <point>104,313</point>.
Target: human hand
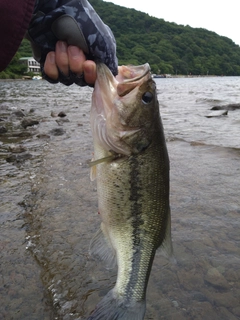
<point>69,58</point>
<point>64,26</point>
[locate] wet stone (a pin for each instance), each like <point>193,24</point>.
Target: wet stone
<point>236,311</point>
<point>226,314</point>
<point>217,114</point>
<point>202,310</point>
<point>53,114</point>
<point>17,148</point>
<point>19,157</point>
<point>62,121</point>
<point>62,114</point>
<point>226,299</point>
<point>19,113</point>
<point>3,129</point>
<point>191,279</point>
<point>28,122</point>
<point>43,136</point>
<point>199,296</point>
<point>216,279</point>
<point>57,132</point>
<point>232,107</point>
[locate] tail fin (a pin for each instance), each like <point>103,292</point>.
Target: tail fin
<point>114,308</point>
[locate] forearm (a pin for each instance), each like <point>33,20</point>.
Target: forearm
<point>15,19</point>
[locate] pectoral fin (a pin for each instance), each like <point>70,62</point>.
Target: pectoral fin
<point>93,173</point>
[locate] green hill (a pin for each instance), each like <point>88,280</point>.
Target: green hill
<point>167,47</point>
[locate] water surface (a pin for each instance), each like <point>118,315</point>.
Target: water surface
<point>49,206</point>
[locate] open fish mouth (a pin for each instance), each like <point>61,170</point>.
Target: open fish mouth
<point>128,74</point>
<point>111,97</point>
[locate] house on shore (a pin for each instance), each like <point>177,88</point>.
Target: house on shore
<point>31,64</point>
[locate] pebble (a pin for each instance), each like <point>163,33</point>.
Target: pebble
<point>17,148</point>
<point>53,114</point>
<point>62,121</point>
<point>57,132</point>
<point>62,114</point>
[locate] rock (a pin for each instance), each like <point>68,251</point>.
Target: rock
<point>226,300</point>
<point>216,279</point>
<point>53,114</point>
<point>198,296</point>
<point>190,279</point>
<point>57,132</point>
<point>19,157</point>
<point>231,275</point>
<point>17,148</point>
<point>202,310</point>
<point>3,129</point>
<point>236,311</point>
<point>61,121</point>
<point>4,107</point>
<point>43,136</point>
<point>218,113</point>
<point>19,113</point>
<point>226,314</point>
<point>62,114</point>
<point>229,107</point>
<point>28,122</point>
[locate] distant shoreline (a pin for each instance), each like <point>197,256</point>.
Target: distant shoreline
<point>168,77</point>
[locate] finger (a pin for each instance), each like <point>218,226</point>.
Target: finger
<point>76,59</point>
<point>90,71</point>
<point>50,67</point>
<point>61,57</point>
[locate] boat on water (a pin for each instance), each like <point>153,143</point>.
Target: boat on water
<point>155,76</point>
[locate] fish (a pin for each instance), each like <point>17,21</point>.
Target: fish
<point>131,168</point>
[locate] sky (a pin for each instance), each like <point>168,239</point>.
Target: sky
<point>219,16</point>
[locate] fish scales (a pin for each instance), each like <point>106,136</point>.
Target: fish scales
<point>133,190</point>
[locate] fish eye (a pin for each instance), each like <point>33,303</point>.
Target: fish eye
<point>147,97</point>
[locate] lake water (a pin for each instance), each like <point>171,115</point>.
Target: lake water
<point>48,211</point>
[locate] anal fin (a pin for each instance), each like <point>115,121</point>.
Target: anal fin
<point>101,248</point>
<point>166,248</point>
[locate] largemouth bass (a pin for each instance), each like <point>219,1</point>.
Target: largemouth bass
<point>131,166</point>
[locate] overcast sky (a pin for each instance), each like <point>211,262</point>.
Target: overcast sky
<point>219,16</point>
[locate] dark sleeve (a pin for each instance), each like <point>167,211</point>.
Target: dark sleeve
<point>14,21</point>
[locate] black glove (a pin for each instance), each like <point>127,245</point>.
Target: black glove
<point>78,24</point>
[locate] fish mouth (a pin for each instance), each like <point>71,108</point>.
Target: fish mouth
<point>128,74</point>
<point>109,98</point>
<point>127,79</point>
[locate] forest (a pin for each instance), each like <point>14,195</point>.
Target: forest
<point>168,48</point>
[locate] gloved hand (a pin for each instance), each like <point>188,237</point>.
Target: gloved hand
<point>76,23</point>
